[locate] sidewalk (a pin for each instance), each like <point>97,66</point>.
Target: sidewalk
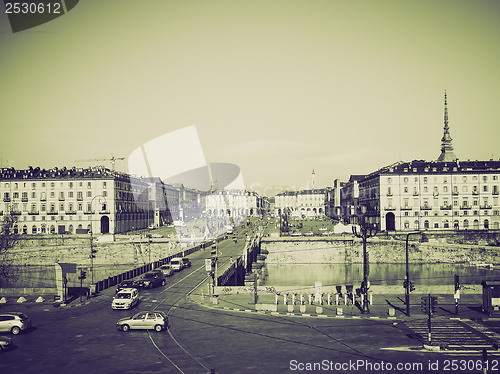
<point>383,307</point>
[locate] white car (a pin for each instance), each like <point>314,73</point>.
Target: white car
<point>125,299</point>
<point>177,264</point>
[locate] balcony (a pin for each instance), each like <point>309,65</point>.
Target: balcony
<point>34,213</point>
<point>454,193</point>
<point>390,208</point>
<point>24,199</point>
<point>465,207</point>
<point>475,192</point>
<point>79,198</point>
<point>406,208</point>
<point>61,198</point>
<point>15,213</point>
<point>426,207</point>
<point>415,193</point>
<point>88,212</point>
<point>485,206</point>
<point>53,212</point>
<point>495,192</point>
<point>445,207</point>
<point>104,212</point>
<point>71,212</point>
<point>389,194</point>
<point>6,199</point>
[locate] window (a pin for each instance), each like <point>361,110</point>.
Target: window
<point>70,194</point>
<point>485,188</point>
<point>89,184</point>
<point>61,207</point>
<point>425,179</point>
<point>89,193</point>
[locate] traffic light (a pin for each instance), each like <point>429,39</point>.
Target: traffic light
<point>213,255</point>
<point>433,304</point>
<point>457,282</point>
<point>83,275</point>
<point>412,287</point>
<point>424,304</point>
<point>92,253</point>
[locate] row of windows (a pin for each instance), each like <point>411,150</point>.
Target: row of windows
<point>43,195</point>
<point>435,190</point>
<point>34,185</point>
<point>445,213</point>
<point>456,225</point>
<point>445,179</point>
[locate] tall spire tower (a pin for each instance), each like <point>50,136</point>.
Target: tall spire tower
<point>313,180</point>
<point>446,147</point>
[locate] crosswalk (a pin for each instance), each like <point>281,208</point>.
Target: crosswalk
<point>452,334</point>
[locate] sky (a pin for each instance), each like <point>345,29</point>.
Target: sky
<point>276,87</point>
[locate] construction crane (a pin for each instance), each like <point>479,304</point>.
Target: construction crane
<point>112,159</point>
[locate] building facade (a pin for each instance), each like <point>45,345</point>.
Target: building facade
<point>446,194</point>
<point>59,201</point>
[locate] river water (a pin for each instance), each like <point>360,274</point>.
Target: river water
<point>41,276</point>
<point>379,274</point>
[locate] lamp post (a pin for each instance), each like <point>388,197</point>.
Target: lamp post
<point>407,284</point>
<point>92,250</point>
<point>367,229</point>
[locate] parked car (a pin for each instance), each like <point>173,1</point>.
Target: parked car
<point>125,299</point>
<point>186,262</point>
<point>15,322</point>
<point>176,263</point>
<point>167,270</point>
<point>151,279</point>
<point>5,343</point>
<point>144,320</point>
<point>125,284</point>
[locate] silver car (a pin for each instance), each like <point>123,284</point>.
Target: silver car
<point>14,322</point>
<point>148,320</point>
<point>167,270</point>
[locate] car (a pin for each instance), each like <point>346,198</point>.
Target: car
<point>5,343</point>
<point>151,279</point>
<point>125,299</point>
<point>14,322</point>
<point>148,320</point>
<point>125,284</point>
<point>186,262</point>
<point>177,264</point>
<point>167,270</point>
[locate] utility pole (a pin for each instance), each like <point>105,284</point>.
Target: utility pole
<point>407,284</point>
<point>366,230</point>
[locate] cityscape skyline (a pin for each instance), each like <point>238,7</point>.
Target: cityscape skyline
<point>277,88</point>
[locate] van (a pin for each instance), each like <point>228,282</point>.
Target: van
<point>176,263</point>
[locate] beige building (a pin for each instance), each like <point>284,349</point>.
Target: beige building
<point>73,200</point>
<point>446,194</point>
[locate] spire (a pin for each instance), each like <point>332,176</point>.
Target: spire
<point>313,180</point>
<point>446,147</point>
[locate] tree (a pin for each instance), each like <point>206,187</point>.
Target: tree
<point>8,240</point>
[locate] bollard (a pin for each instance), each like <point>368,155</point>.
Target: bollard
<point>329,301</point>
<point>276,298</point>
<point>285,298</point>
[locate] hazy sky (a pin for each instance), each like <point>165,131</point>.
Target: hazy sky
<point>276,87</point>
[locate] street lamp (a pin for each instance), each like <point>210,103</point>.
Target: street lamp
<point>407,284</point>
<point>92,250</point>
<point>367,228</point>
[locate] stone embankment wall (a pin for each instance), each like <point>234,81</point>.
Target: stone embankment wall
<point>346,250</point>
<point>122,251</point>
